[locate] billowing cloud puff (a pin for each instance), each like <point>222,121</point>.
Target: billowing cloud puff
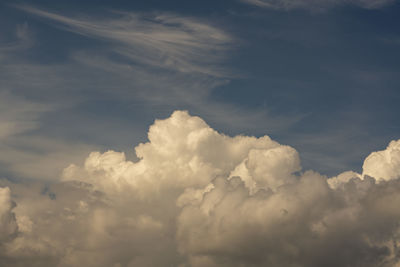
<point>195,197</point>
<point>304,223</point>
<point>183,151</point>
<point>384,164</point>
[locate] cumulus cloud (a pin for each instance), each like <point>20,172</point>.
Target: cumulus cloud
<point>183,151</point>
<point>196,197</point>
<point>317,4</point>
<point>303,223</point>
<point>384,164</point>
<point>8,225</point>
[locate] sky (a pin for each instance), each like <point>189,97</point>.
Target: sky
<point>199,133</point>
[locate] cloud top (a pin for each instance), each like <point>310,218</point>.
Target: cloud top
<point>384,164</point>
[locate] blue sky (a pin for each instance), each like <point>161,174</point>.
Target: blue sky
<point>78,76</point>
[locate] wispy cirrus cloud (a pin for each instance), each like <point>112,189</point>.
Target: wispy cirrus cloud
<point>317,4</point>
<point>23,39</point>
<point>18,115</point>
<point>160,40</point>
<point>28,154</point>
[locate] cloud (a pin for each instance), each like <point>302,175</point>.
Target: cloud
<point>303,223</point>
<point>8,224</point>
<point>384,164</point>
<point>40,157</point>
<point>23,40</point>
<point>147,63</point>
<point>196,197</point>
<point>162,40</point>
<point>25,154</point>
<point>181,142</point>
<point>317,4</point>
<point>18,115</point>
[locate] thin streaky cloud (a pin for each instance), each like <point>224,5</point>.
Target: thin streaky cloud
<point>160,40</point>
<point>317,4</point>
<point>23,40</point>
<point>18,115</point>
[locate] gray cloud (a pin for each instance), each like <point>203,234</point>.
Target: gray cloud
<point>196,197</point>
<point>304,223</point>
<point>317,4</point>
<point>8,224</point>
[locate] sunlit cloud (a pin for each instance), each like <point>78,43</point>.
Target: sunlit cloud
<point>196,197</point>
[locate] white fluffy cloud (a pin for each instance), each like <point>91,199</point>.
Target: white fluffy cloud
<point>182,151</point>
<point>317,4</point>
<point>384,164</point>
<point>196,197</point>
